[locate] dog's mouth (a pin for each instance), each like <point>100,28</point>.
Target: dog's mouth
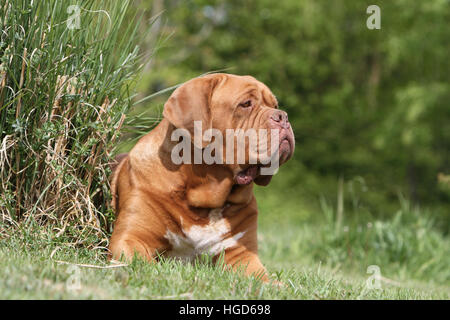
<point>287,146</point>
<point>247,176</point>
<point>252,173</point>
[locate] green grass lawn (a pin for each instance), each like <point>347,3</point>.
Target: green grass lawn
<point>313,252</point>
<point>312,261</point>
<point>27,271</point>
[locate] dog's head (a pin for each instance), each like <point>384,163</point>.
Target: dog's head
<point>235,121</point>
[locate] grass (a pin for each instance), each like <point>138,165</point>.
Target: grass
<point>310,258</point>
<point>29,272</point>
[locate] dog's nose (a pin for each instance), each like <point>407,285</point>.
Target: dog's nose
<point>280,118</point>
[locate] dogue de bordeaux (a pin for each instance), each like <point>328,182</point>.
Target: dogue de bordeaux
<point>188,209</point>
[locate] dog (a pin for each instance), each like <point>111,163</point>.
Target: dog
<point>184,210</point>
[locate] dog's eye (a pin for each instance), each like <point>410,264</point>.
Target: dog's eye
<point>246,104</point>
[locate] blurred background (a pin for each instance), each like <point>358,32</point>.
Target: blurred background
<point>370,108</point>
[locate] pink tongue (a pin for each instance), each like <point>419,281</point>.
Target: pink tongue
<point>247,176</point>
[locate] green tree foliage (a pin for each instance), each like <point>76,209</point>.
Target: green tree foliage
<point>363,103</point>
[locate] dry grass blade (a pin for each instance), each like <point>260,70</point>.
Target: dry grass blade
<point>112,266</point>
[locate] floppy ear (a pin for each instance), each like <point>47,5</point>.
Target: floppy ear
<point>191,102</point>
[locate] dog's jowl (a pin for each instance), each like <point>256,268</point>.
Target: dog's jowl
<point>186,188</point>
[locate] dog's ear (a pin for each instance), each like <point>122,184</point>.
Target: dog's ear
<point>191,102</point>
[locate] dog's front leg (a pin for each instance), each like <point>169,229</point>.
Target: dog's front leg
<point>127,249</point>
<point>240,258</point>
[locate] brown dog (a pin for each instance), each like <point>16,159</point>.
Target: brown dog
<point>184,210</point>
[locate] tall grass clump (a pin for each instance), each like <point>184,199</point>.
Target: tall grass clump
<point>66,73</point>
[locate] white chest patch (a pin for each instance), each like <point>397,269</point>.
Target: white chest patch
<point>209,239</point>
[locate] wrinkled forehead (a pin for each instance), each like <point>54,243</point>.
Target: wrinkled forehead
<point>233,87</point>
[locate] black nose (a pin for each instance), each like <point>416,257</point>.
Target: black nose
<point>281,118</point>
